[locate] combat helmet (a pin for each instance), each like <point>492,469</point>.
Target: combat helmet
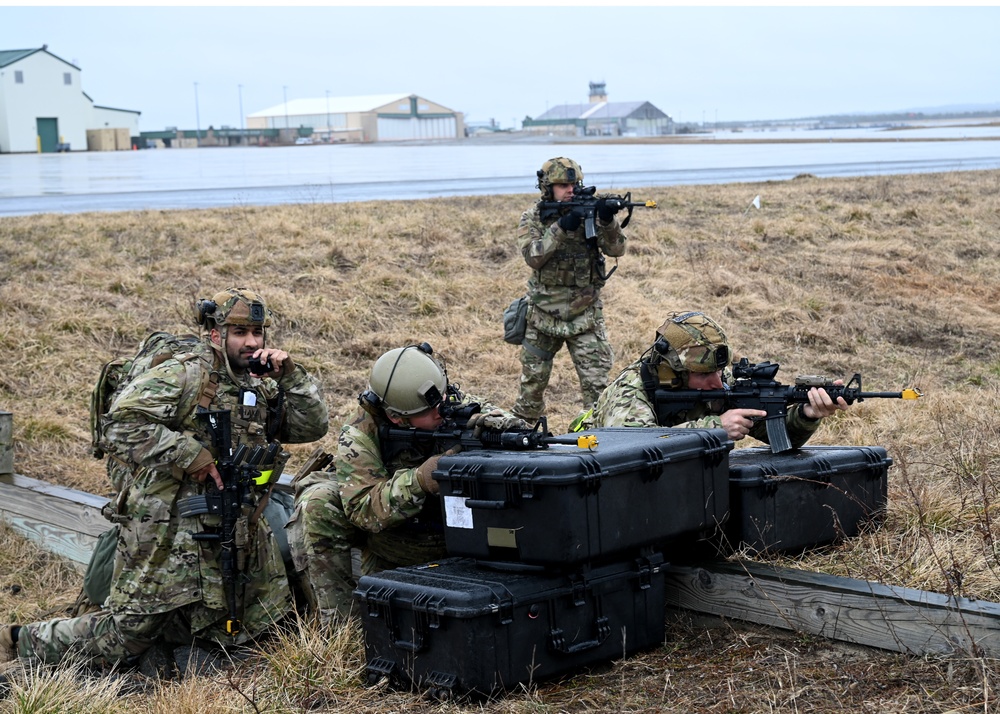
<point>235,306</point>
<point>406,381</point>
<point>558,170</point>
<point>689,342</point>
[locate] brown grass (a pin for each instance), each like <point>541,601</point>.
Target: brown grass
<point>896,277</point>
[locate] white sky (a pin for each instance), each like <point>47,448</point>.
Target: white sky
<point>697,64</point>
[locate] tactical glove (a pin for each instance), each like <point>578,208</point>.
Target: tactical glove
<point>570,222</point>
<point>496,420</point>
<point>424,477</point>
<point>606,211</point>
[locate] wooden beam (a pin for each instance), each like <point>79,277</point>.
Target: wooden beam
<point>859,611</point>
<point>62,520</point>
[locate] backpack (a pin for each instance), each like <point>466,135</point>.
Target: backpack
<point>157,348</point>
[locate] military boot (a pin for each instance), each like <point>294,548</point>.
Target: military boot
<point>8,647</point>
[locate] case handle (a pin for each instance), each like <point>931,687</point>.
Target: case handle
<point>558,642</point>
<point>414,645</point>
<point>490,505</point>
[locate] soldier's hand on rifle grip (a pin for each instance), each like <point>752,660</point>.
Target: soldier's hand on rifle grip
<point>739,422</point>
<point>821,405</point>
<point>202,474</point>
<point>570,222</point>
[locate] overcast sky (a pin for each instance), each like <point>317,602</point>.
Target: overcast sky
<point>696,64</point>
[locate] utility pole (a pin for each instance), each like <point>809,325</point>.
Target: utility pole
<point>329,132</point>
<point>197,116</point>
<point>241,108</point>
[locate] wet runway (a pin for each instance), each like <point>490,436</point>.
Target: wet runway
<point>226,177</point>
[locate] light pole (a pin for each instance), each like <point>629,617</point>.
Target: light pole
<point>241,107</point>
<point>197,116</point>
<point>328,131</point>
<point>285,90</point>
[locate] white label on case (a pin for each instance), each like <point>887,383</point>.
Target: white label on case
<point>456,513</point>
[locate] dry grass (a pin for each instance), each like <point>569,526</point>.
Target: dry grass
<point>896,277</point>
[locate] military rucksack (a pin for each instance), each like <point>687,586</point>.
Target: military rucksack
<point>157,348</point>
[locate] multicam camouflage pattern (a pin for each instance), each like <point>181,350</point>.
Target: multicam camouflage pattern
<point>589,349</point>
<point>693,338</point>
<point>626,403</point>
<point>558,170</point>
<point>565,295</point>
<point>367,503</point>
<point>160,571</point>
<point>233,307</point>
<point>563,282</point>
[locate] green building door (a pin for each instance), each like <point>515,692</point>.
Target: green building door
<point>48,135</point>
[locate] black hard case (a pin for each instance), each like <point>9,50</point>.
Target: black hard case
<point>457,627</point>
<point>563,506</point>
<point>806,497</point>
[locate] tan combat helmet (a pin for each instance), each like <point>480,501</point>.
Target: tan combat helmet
<point>558,170</point>
<point>235,306</point>
<point>406,381</point>
<point>689,342</point>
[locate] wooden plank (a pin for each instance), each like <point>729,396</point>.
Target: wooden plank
<point>846,609</point>
<point>6,443</point>
<point>62,520</point>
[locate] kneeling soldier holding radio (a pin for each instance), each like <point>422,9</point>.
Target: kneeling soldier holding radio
<point>198,439</point>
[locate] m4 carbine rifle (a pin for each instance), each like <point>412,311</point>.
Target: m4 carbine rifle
<point>395,439</point>
<point>240,470</point>
<point>755,388</point>
<point>586,204</point>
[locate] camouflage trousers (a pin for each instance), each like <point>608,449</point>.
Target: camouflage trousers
<point>321,536</point>
<point>105,637</point>
<point>589,349</point>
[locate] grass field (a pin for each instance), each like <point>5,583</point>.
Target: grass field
<point>895,277</point>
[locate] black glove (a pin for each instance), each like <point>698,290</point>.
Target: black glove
<point>606,211</point>
<point>570,222</point>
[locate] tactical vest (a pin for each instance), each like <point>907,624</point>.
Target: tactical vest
<point>571,265</point>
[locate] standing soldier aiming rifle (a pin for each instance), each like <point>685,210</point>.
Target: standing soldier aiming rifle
<point>564,239</point>
<point>199,436</point>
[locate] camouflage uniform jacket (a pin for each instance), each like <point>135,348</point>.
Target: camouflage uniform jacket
<point>385,499</point>
<point>625,402</point>
<point>152,425</point>
<point>563,282</point>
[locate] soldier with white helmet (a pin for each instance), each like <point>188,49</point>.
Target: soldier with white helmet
<point>168,584</point>
<point>564,289</point>
<point>690,351</point>
<point>381,496</point>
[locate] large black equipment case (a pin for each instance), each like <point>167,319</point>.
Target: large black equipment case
<point>458,627</point>
<point>804,498</point>
<point>567,505</point>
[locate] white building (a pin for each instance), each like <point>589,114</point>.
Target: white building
<point>373,117</point>
<point>43,106</point>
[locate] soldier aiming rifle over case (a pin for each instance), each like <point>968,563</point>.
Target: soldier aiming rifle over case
<point>381,496</point>
<point>685,379</point>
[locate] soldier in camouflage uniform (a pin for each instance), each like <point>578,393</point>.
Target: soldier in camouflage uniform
<point>381,496</point>
<point>168,587</point>
<point>691,352</point>
<point>564,291</point>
